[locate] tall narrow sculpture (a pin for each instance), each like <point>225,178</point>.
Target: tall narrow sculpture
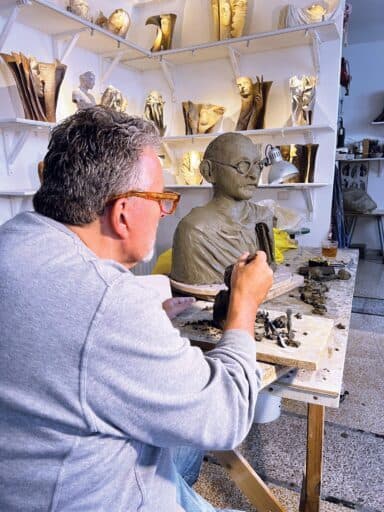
<point>303,95</point>
<point>38,85</point>
<point>228,18</point>
<point>254,98</point>
<point>201,117</point>
<point>165,24</point>
<point>154,110</point>
<point>81,96</point>
<point>303,157</point>
<point>213,236</point>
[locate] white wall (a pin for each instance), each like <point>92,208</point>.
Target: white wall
<point>211,81</point>
<point>364,103</point>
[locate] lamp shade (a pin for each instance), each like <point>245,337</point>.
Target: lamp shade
<point>281,171</point>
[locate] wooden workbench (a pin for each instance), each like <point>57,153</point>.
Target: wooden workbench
<point>319,389</point>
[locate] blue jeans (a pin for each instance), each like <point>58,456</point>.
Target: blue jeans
<point>188,462</point>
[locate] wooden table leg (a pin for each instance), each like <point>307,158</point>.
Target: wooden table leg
<point>248,481</point>
<point>310,496</point>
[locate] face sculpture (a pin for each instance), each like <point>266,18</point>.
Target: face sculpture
<point>209,116</point>
<point>119,22</point>
<point>245,86</point>
<point>239,12</point>
<point>231,165</point>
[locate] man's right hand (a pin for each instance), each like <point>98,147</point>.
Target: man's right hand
<point>249,286</point>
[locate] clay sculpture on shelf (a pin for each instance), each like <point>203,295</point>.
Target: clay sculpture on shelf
<point>229,18</point>
<point>254,98</point>
<point>201,117</point>
<point>165,24</point>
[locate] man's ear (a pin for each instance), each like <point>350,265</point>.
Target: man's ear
<point>119,218</point>
<point>206,170</point>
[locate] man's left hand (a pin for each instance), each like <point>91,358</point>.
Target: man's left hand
<point>176,305</point>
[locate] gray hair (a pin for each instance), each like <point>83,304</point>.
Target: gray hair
<point>92,155</point>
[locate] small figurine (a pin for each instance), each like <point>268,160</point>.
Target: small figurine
<point>81,96</point>
<point>113,98</point>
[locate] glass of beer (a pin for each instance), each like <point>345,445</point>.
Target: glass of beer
<point>329,249</point>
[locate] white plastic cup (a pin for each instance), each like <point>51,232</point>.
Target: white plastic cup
<point>268,408</point>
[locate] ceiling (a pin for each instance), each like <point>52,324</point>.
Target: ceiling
<point>367,21</point>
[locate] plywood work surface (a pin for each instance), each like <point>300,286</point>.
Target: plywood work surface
<point>313,334</point>
<point>283,281</point>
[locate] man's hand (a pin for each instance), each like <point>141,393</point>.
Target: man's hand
<point>249,286</point>
<point>176,305</point>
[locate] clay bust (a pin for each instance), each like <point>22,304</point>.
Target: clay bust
<point>303,95</point>
<point>113,98</point>
<point>154,110</point>
<point>253,102</point>
<point>213,236</point>
<point>81,96</point>
<point>165,24</point>
<point>189,171</point>
<point>228,18</point>
<point>201,117</point>
<point>80,8</point>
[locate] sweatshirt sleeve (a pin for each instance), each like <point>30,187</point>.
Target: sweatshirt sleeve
<point>140,379</point>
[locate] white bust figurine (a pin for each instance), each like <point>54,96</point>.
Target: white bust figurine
<point>81,96</point>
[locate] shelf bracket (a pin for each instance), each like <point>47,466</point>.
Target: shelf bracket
<point>73,37</point>
<point>379,168</point>
<point>316,43</point>
<point>308,196</point>
<point>167,71</point>
<point>170,154</point>
<point>234,58</point>
<point>111,66</point>
<point>12,150</point>
<point>309,136</point>
<point>10,21</point>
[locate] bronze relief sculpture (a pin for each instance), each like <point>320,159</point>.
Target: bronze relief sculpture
<point>38,85</point>
<point>154,110</point>
<point>228,18</point>
<point>213,236</point>
<point>201,117</point>
<point>303,94</point>
<point>114,99</point>
<point>165,24</point>
<point>254,97</point>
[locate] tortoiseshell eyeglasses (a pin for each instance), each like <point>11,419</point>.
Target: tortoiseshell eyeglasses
<point>167,200</point>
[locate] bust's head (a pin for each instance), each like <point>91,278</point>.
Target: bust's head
<point>87,80</point>
<point>230,163</point>
<point>245,86</point>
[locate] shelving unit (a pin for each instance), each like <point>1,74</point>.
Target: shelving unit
<point>22,129</point>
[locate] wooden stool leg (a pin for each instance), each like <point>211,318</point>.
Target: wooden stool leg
<point>310,501</point>
<point>248,481</point>
<point>379,220</point>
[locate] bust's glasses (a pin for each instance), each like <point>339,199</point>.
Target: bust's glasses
<point>167,200</point>
<point>243,167</point>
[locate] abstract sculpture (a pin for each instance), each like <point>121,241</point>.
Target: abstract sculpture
<point>303,95</point>
<point>154,110</point>
<point>38,85</point>
<point>113,98</point>
<point>165,24</point>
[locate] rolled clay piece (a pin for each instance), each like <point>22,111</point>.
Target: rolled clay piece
<point>165,24</point>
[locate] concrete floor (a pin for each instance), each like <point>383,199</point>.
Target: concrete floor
<point>354,434</point>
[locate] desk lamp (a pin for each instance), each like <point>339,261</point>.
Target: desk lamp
<point>281,171</point>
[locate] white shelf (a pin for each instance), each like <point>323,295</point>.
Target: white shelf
<point>295,186</point>
<point>379,122</point>
<point>251,133</point>
<point>55,21</point>
<point>17,123</point>
<point>359,159</point>
<point>17,193</point>
<point>185,187</point>
<point>255,43</point>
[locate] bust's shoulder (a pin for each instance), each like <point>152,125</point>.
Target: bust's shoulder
<point>198,218</point>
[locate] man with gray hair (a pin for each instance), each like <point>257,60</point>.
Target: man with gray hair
<point>103,406</point>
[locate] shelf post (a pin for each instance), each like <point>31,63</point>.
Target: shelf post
<point>11,152</point>
<point>166,69</point>
<point>234,58</point>
<point>308,196</point>
<point>316,42</point>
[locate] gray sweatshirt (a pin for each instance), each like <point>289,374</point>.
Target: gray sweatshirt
<point>96,386</point>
